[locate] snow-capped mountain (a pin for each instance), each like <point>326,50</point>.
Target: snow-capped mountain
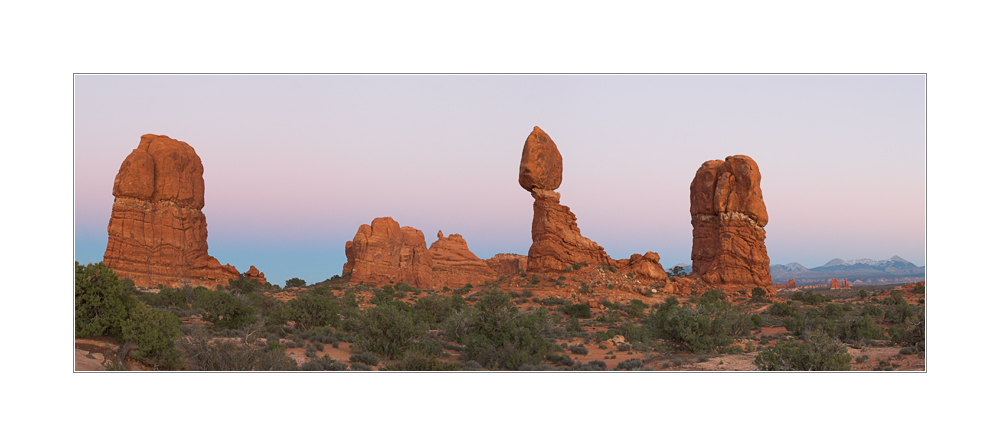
<point>865,270</point>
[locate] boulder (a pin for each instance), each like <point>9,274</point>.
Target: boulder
<point>157,234</point>
<point>728,218</point>
<point>646,265</point>
<point>541,163</point>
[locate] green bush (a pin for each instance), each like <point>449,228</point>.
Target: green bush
<point>713,323</point>
<point>295,282</point>
<point>312,310</point>
<point>758,295</point>
<point>206,353</point>
<point>782,309</point>
<point>243,285</point>
<point>365,358</point>
<point>636,309</point>
<point>224,310</point>
<point>498,335</point>
<point>581,311</point>
<point>855,330</point>
<point>386,330</point>
<point>435,309</point>
<point>154,332</point>
<point>102,305</point>
<point>818,352</point>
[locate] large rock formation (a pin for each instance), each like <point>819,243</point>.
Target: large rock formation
<point>384,252</point>
<point>728,216</point>
<point>556,239</point>
<point>157,233</point>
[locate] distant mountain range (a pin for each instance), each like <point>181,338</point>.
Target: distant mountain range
<point>860,272</point>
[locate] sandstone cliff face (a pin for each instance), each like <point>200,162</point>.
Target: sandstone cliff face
<point>157,233</point>
<point>508,264</point>
<point>556,239</point>
<point>728,217</point>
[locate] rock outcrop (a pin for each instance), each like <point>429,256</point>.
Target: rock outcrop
<point>384,252</point>
<point>556,239</point>
<point>157,233</point>
<point>787,285</point>
<point>728,217</point>
<point>255,275</point>
<point>647,265</point>
<point>508,264</point>
<point>834,284</point>
<point>454,265</point>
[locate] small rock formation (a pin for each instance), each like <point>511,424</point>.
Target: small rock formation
<point>845,284</point>
<point>157,233</point>
<point>787,285</point>
<point>454,265</point>
<point>556,239</point>
<point>728,217</point>
<point>834,284</point>
<point>253,274</point>
<point>508,264</point>
<point>647,265</point>
<point>384,252</point>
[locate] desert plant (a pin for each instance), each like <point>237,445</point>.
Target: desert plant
<point>818,352</point>
<point>312,310</point>
<point>386,330</point>
<point>581,311</point>
<point>154,333</point>
<point>102,306</point>
<point>295,282</point>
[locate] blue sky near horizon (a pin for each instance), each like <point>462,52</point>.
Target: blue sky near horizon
<point>294,164</point>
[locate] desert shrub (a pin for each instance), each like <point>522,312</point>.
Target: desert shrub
<point>874,311</point>
<point>818,352</point>
<point>415,360</point>
<point>630,365</point>
<point>584,289</point>
<point>782,309</point>
<point>919,289</point>
<point>552,301</point>
<point>170,297</point>
<point>895,298</point>
<point>833,311</point>
<point>435,309</point>
<point>899,312</point>
<point>497,335</point>
<point>581,311</point>
<point>324,364</point>
<point>243,285</point>
<point>756,322</point>
<point>636,309</point>
<point>154,332</point>
<point>861,359</point>
<point>295,282</point>
<point>711,324</point>
<point>758,295</point>
<point>814,299</point>
<point>102,306</point>
<point>365,358</point>
<point>224,310</point>
<point>855,330</point>
<point>624,347</point>
<point>205,353</point>
<point>579,349</point>
<point>386,330</point>
<point>312,310</point>
<point>633,333</point>
<point>592,366</point>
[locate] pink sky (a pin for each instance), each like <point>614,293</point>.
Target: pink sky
<point>294,164</point>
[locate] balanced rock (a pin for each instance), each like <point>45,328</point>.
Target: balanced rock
<point>556,242</point>
<point>157,234</point>
<point>728,217</point>
<point>384,252</point>
<point>541,163</point>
